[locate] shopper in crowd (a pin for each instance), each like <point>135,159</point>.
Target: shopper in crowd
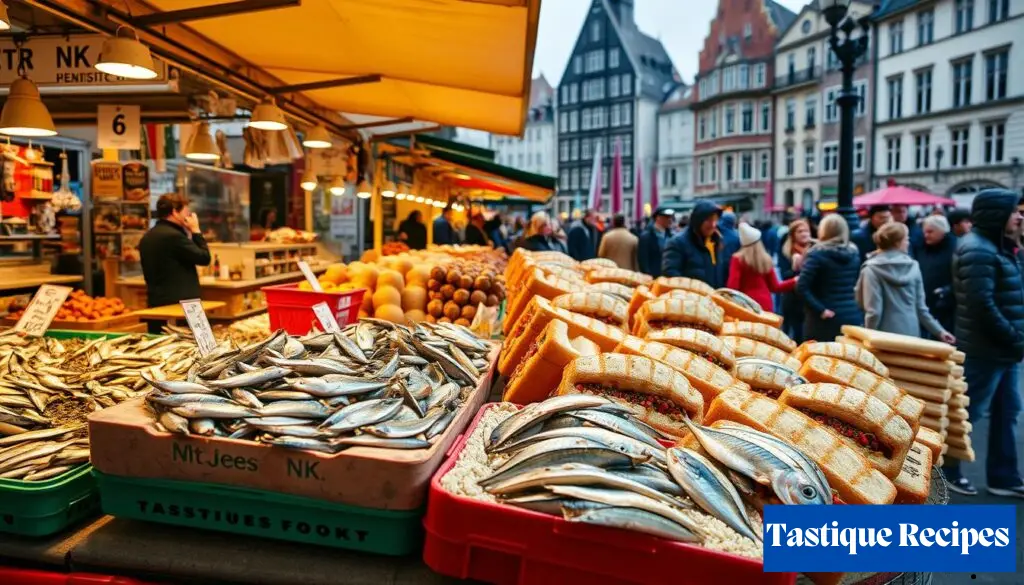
<point>653,240</point>
<point>890,289</point>
<point>475,230</point>
<point>901,214</point>
<point>699,251</point>
<point>170,252</point>
<point>827,279</point>
<point>795,245</point>
<point>619,245</point>
<point>752,272</point>
<point>412,231</point>
<point>583,236</point>
<point>770,237</point>
<point>727,227</point>
<point>959,222</point>
<point>539,235</point>
<point>444,231</point>
<point>990,331</point>
<point>494,230</point>
<point>878,215</point>
<point>935,256</point>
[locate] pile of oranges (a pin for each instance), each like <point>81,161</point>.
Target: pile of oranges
<point>393,248</point>
<point>82,307</point>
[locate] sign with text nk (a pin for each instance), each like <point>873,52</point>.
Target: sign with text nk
<point>119,127</point>
<point>42,309</point>
<point>195,314</point>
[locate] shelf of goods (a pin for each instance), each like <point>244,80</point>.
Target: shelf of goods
<point>120,211</point>
<point>81,312</point>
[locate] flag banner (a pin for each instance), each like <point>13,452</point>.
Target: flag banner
<point>594,196</point>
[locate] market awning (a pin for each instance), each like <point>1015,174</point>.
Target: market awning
<point>454,62</point>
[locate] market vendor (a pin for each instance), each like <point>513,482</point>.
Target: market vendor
<point>170,252</point>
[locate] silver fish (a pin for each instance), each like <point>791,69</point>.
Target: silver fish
<point>303,431</point>
<point>364,336</point>
<point>213,410</point>
<point>293,348</point>
<point>199,426</point>
<point>174,423</point>
<point>350,348</point>
<point>403,429</point>
<point>630,519</point>
<point>711,489</point>
<point>271,395</point>
<point>443,394</point>
<point>246,398</point>
<point>371,441</point>
<point>172,400</point>
<point>304,443</point>
<point>623,426</point>
<point>621,499</point>
<point>557,451</point>
<point>538,412</point>
<point>441,425</point>
<point>622,443</point>
<point>651,477</point>
<point>296,408</point>
<point>177,386</point>
<point>250,378</point>
<point>782,449</point>
<point>327,389</point>
<point>544,502</point>
<point>311,367</point>
<point>361,414</point>
<point>277,421</point>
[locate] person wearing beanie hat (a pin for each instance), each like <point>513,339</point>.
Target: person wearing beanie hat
<point>751,270</point>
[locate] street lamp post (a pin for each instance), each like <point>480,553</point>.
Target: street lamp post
<point>848,50</point>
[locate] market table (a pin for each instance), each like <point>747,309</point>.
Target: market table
<point>173,313</point>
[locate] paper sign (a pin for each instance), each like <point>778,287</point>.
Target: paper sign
<point>325,316</point>
<point>118,127</point>
<point>41,309</point>
<point>200,325</point>
<point>310,277</point>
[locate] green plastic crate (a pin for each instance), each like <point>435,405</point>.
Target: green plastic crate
<point>260,513</point>
<point>41,508</point>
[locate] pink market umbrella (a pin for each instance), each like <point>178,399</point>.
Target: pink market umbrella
<point>899,195</point>
<point>617,179</point>
<point>638,200</point>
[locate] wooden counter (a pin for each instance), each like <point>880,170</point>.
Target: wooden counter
<point>25,277</point>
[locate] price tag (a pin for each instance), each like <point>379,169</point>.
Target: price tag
<point>200,325</point>
<point>325,316</point>
<point>42,309</point>
<point>119,127</point>
<point>310,277</point>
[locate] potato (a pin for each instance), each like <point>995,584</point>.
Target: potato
<point>468,312</point>
<point>463,322</point>
<point>447,291</point>
<point>461,296</point>
<point>482,283</point>
<point>492,301</point>
<point>438,273</point>
<point>477,297</point>
<point>466,282</point>
<point>433,284</point>
<point>435,308</point>
<point>454,276</point>
<point>452,310</point>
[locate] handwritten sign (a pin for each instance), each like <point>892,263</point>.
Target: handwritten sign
<point>42,309</point>
<point>200,325</point>
<point>310,277</point>
<point>325,316</point>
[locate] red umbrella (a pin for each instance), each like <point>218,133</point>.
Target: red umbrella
<point>617,179</point>
<point>654,188</point>
<point>899,195</point>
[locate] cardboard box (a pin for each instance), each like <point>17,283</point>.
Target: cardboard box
<point>124,441</point>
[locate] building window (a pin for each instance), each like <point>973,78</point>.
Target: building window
<point>574,117</point>
<point>627,145</point>
<point>996,68</point>
<point>959,137</point>
<point>760,72</point>
<point>728,168</point>
<point>747,118</point>
<point>790,161</point>
<point>964,15</point>
<point>604,177</point>
<point>809,159</point>
<point>714,168</point>
<point>962,73</point>
<point>702,126</point>
<point>613,86</point>
<point>994,134</point>
<point>563,122</point>
<point>998,10</point>
<point>577,64</point>
<point>925,27</point>
<point>748,31</point>
<point>613,58</point>
<point>861,87</point>
<point>766,116</point>
<point>729,79</point>
<point>563,151</point>
<point>896,37</point>
<point>627,176</point>
<point>701,179</point>
<point>615,115</point>
<point>831,61</point>
<point>892,150</point>
<point>830,158</point>
<point>565,94</point>
<point>859,157</point>
<point>730,120</point>
<point>714,124</point>
<point>595,30</point>
<point>790,114</point>
<point>924,91</point>
<point>812,57</point>
<point>743,77</point>
<point>574,93</point>
<point>574,181</point>
<point>627,113</point>
<point>585,178</point>
<point>585,149</point>
<point>600,118</point>
<point>895,97</point>
<point>764,165</point>
<point>563,180</point>
<point>791,64</point>
<point>594,61</point>
<point>922,150</point>
<point>810,111</point>
<point>627,84</point>
<point>574,150</point>
<point>747,166</point>
<point>831,107</point>
<point>588,120</point>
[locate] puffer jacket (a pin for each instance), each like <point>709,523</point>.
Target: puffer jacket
<point>891,294</point>
<point>686,255</point>
<point>937,269</point>
<point>827,280</point>
<point>987,283</point>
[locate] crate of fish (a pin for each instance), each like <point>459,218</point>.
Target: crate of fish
<point>261,513</point>
<point>48,386</point>
<point>362,417</point>
<point>528,496</point>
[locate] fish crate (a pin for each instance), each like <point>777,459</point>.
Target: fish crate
<point>291,309</point>
<point>125,442</point>
<point>42,508</point>
<point>505,545</point>
<point>261,513</point>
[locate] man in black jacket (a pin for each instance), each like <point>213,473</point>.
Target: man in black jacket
<point>990,331</point>
<point>583,237</point>
<point>170,252</point>
<point>699,251</point>
<point>653,240</point>
<point>878,215</point>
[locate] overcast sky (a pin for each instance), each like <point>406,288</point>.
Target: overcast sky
<point>680,24</point>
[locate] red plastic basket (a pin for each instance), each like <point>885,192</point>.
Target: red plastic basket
<point>291,309</point>
<point>12,576</point>
<point>470,539</point>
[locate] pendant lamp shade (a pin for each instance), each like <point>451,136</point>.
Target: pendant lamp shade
<point>317,137</point>
<point>337,187</point>
<point>5,21</point>
<point>202,146</point>
<point>24,112</point>
<point>364,192</point>
<point>267,116</point>
<point>123,55</point>
<point>308,182</point>
<point>388,191</point>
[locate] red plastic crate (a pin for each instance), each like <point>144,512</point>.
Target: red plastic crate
<point>291,309</point>
<point>12,576</point>
<point>505,545</point>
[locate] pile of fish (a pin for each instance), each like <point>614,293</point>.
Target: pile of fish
<point>48,387</point>
<point>587,459</point>
<point>374,384</point>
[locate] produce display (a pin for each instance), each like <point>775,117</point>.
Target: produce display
<point>82,307</point>
<point>393,248</point>
<point>373,384</point>
<point>48,387</point>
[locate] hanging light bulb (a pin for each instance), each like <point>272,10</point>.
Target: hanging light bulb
<point>267,116</point>
<point>123,55</point>
<point>337,187</point>
<point>201,146</point>
<point>400,196</point>
<point>388,190</point>
<point>363,191</point>
<point>308,180</point>
<point>439,204</point>
<point>419,199</point>
<point>317,137</point>
<point>428,201</point>
<point>5,21</point>
<point>24,112</point>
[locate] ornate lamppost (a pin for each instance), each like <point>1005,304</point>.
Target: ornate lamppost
<point>848,47</point>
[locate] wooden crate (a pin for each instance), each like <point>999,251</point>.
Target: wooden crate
<point>121,323</point>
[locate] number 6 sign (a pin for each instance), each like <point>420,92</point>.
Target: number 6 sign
<point>118,127</point>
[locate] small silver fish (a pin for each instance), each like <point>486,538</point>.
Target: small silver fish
<point>711,489</point>
<point>371,441</point>
<point>255,378</point>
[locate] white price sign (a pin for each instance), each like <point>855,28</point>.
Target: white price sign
<point>119,127</point>
<point>200,325</point>
<point>310,277</point>
<point>325,316</point>
<point>42,309</point>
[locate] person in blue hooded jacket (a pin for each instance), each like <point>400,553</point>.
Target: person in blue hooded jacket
<point>727,227</point>
<point>827,280</point>
<point>700,251</point>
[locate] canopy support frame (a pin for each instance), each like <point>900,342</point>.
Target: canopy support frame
<point>327,84</point>
<point>212,11</point>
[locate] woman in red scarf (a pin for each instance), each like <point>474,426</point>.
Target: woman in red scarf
<point>752,272</point>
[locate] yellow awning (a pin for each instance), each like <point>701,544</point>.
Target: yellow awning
<point>453,62</point>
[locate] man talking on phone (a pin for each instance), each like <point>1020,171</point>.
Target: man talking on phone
<point>170,252</point>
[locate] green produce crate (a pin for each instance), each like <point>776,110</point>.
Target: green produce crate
<point>260,513</point>
<point>41,508</point>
